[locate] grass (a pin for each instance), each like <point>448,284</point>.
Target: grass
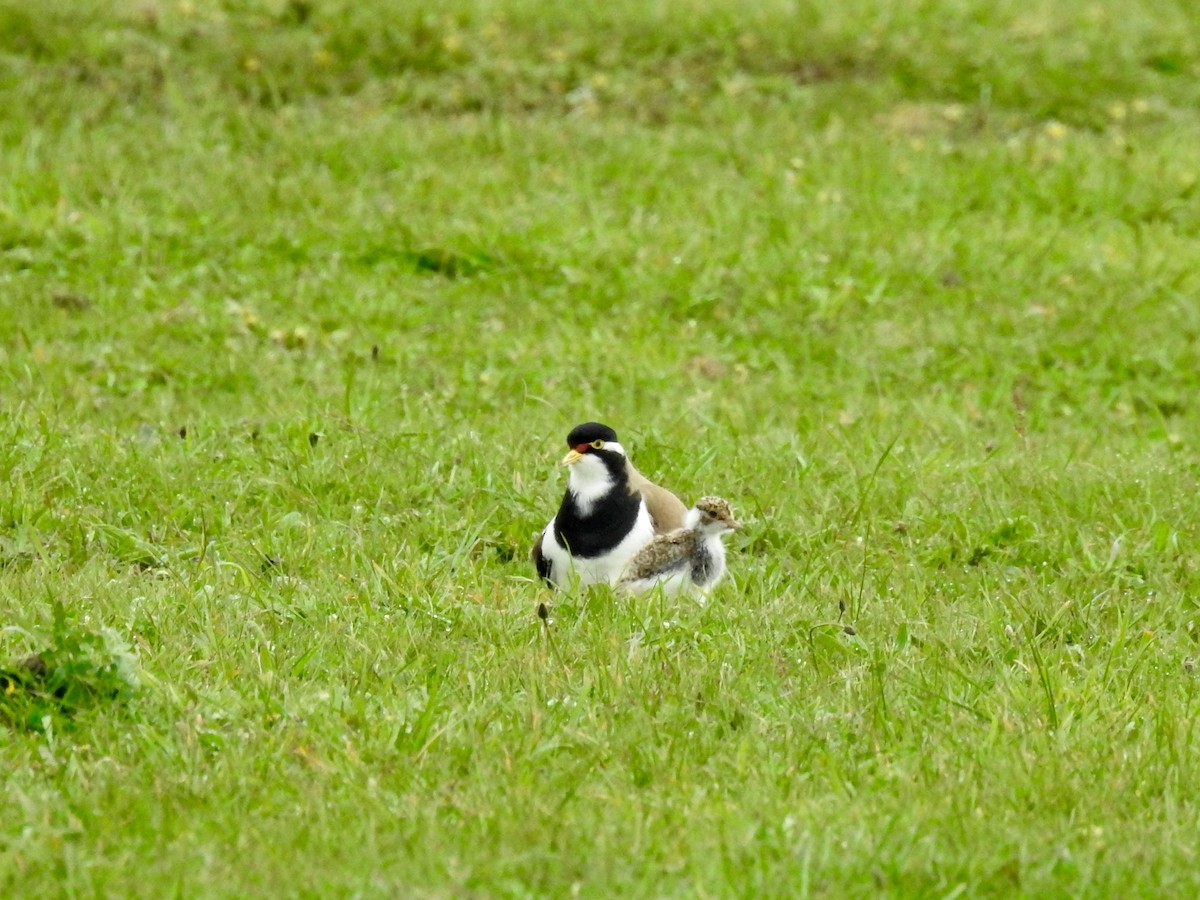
<point>298,301</point>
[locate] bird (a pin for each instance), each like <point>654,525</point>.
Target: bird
<point>609,512</point>
<point>688,561</point>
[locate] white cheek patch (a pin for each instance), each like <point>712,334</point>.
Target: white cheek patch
<point>590,481</point>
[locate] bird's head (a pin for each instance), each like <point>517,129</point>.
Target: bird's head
<point>595,453</point>
<point>712,515</point>
<point>591,439</point>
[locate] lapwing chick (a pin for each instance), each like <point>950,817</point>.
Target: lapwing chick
<point>689,561</point>
<point>608,513</point>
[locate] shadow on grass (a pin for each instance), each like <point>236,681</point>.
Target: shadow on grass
<point>80,669</point>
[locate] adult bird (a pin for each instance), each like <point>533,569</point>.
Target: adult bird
<point>689,561</point>
<point>608,513</point>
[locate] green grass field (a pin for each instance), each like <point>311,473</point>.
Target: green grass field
<point>299,299</point>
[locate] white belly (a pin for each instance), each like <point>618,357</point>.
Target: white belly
<point>566,570</point>
<point>671,585</point>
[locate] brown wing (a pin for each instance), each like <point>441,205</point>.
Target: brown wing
<point>665,508</point>
<point>661,555</point>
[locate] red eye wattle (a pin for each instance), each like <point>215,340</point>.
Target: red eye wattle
<point>581,448</point>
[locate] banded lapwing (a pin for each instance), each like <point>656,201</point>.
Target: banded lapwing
<point>608,513</point>
<point>689,561</point>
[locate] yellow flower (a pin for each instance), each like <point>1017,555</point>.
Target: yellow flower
<point>1055,130</point>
